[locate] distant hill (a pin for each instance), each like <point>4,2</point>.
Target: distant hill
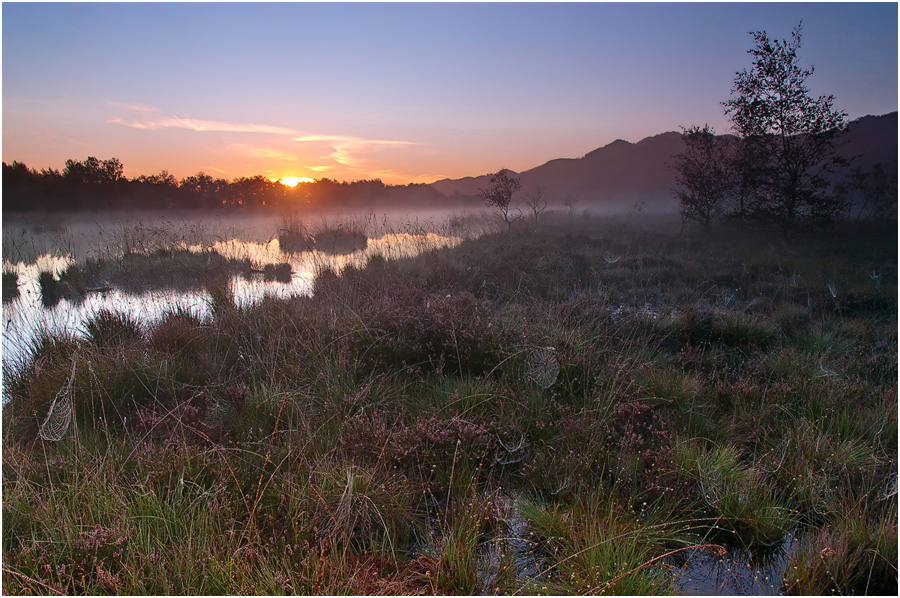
<point>617,175</point>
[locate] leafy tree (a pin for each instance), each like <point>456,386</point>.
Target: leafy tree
<point>791,132</point>
<point>705,175</point>
<point>499,195</point>
<point>202,190</point>
<point>163,179</point>
<point>93,171</point>
<point>254,191</point>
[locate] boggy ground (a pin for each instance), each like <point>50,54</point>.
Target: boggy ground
<point>564,408</point>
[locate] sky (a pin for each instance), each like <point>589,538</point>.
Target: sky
<point>401,92</point>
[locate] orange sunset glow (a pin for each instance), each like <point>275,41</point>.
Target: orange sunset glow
<point>293,181</point>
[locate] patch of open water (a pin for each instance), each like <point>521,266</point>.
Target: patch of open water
<point>738,572</point>
<point>25,316</point>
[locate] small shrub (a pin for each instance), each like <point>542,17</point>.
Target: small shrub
<point>426,442</point>
<point>730,330</point>
<point>792,318</point>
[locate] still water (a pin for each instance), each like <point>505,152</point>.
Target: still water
<point>30,249</point>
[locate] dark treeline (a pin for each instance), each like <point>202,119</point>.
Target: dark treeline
<point>94,184</point>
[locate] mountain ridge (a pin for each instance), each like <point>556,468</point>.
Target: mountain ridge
<point>621,173</point>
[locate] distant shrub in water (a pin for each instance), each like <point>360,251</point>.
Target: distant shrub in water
<point>340,241</point>
<point>293,235</point>
<point>108,329</point>
<point>279,272</point>
<point>177,267</point>
<point>295,241</point>
<point>49,288</point>
<point>10,284</point>
<point>78,279</point>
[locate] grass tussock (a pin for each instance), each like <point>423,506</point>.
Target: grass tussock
<point>569,408</point>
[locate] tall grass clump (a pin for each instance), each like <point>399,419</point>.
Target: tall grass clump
<point>595,546</point>
<point>735,495</point>
<point>108,329</point>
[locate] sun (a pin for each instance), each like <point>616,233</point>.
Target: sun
<point>293,181</point>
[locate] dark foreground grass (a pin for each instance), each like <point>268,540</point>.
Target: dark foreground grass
<point>552,410</point>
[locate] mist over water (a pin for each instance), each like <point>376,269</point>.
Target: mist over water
<point>51,244</point>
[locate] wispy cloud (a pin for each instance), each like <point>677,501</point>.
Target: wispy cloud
<point>201,126</point>
<point>345,150</point>
<point>135,107</point>
<point>343,139</point>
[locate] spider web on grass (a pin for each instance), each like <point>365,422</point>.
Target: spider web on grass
<point>59,416</point>
<point>542,366</point>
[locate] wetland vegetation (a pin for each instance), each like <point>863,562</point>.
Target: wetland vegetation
<point>575,405</point>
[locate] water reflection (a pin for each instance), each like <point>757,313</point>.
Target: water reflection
<point>25,316</point>
<point>740,572</point>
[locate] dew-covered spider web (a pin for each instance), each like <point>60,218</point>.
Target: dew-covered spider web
<point>59,416</point>
<point>542,366</point>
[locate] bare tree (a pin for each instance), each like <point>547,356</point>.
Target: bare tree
<point>499,195</point>
<point>537,201</point>
<point>705,176</point>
